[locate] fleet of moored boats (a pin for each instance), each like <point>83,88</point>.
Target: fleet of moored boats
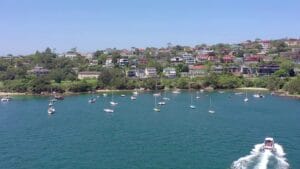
<point>163,100</point>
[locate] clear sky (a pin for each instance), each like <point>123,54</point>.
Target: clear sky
<point>30,25</point>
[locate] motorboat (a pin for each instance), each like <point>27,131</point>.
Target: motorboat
<point>258,95</point>
<point>211,111</point>
<point>59,97</point>
<point>238,93</point>
<point>108,110</point>
<point>156,109</point>
<point>268,144</point>
<point>122,95</point>
<point>133,98</point>
<point>246,99</point>
<point>135,93</point>
<point>51,110</point>
<point>156,94</point>
<point>192,106</point>
<point>221,92</point>
<point>176,92</point>
<point>161,103</point>
<point>113,103</point>
<point>5,99</point>
<point>104,94</point>
<point>201,90</point>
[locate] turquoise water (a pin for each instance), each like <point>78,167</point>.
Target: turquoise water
<point>82,136</point>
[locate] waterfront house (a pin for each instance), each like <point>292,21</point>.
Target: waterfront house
<point>88,75</point>
<point>169,72</point>
<point>267,69</point>
<point>197,70</point>
<point>150,72</point>
<point>38,71</point>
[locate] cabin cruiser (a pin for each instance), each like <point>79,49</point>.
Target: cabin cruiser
<point>268,145</point>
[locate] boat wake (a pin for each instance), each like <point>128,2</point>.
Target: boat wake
<point>262,160</point>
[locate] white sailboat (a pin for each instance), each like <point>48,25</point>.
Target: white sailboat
<point>155,105</point>
<point>112,102</point>
<point>210,110</point>
<point>246,98</point>
<point>191,105</point>
<point>197,97</point>
<point>51,110</point>
<point>165,96</point>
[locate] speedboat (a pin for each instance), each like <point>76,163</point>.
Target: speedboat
<point>113,103</point>
<point>161,103</point>
<point>109,110</point>
<point>268,144</point>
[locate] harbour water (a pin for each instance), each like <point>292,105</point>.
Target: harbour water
<point>80,135</point>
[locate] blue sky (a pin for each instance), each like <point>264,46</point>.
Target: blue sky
<point>30,25</point>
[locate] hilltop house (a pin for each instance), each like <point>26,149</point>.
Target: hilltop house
<point>71,54</point>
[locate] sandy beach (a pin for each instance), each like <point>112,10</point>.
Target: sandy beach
<point>11,94</point>
<point>253,88</point>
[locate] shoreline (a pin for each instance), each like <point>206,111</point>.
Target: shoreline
<point>252,88</point>
<point>277,93</point>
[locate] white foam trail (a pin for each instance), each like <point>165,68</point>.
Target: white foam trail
<point>243,162</point>
<point>264,159</point>
<point>282,163</point>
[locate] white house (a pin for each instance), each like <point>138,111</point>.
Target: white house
<point>88,75</point>
<point>150,72</point>
<point>169,72</point>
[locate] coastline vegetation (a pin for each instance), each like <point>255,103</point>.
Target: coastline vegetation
<point>14,76</point>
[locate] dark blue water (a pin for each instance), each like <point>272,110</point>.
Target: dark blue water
<point>81,135</point>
